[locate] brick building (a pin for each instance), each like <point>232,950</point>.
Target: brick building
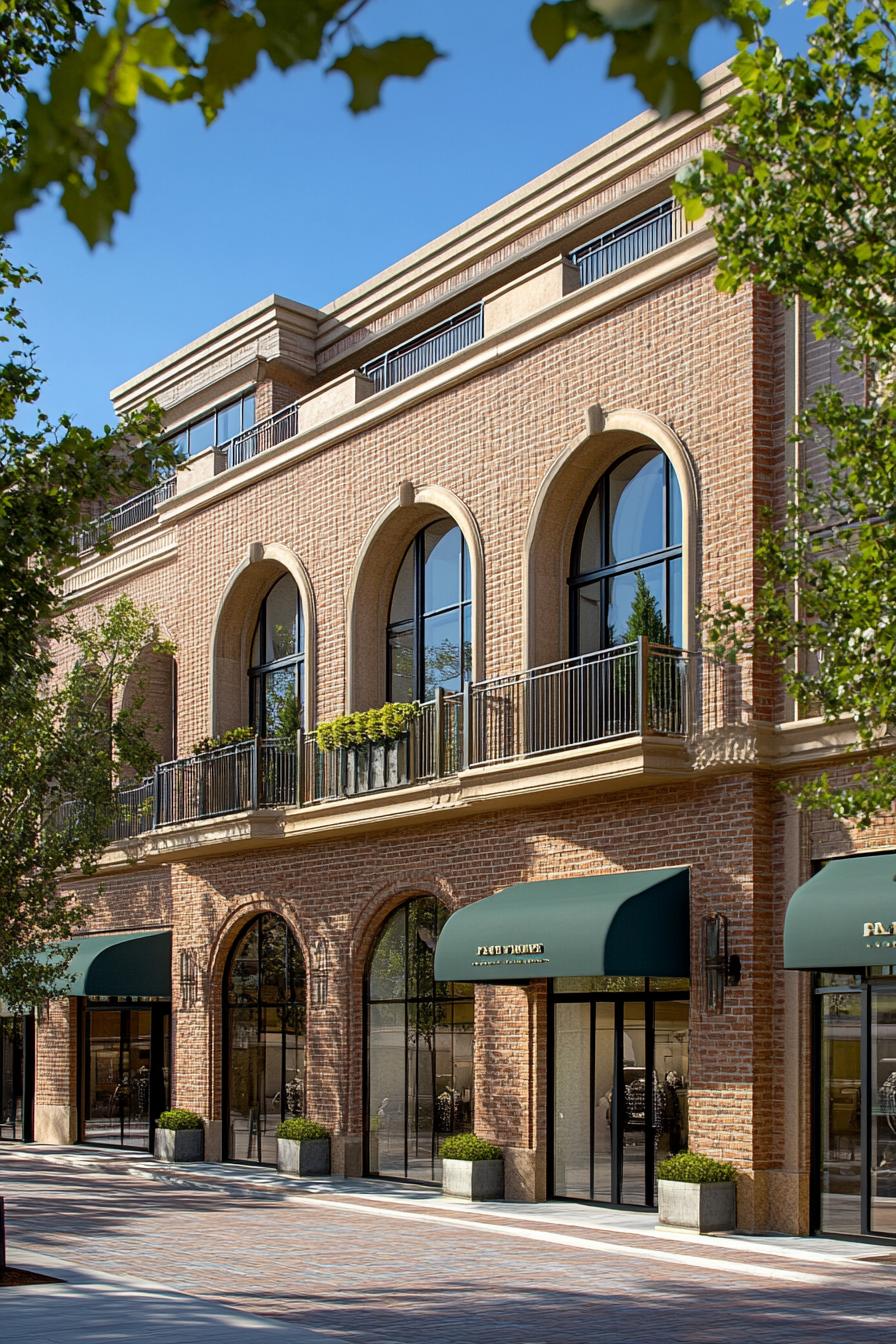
<point>499,479</point>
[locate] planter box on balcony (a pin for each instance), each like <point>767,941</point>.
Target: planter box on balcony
<point>179,1145</point>
<point>473,1180</point>
<point>376,765</point>
<point>303,1157</point>
<point>709,1207</point>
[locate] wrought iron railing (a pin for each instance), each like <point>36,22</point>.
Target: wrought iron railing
<point>629,242</point>
<point>267,433</point>
<point>636,689</point>
<point>128,514</point>
<point>428,348</point>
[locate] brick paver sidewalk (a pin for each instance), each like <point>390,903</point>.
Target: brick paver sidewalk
<point>329,1260</point>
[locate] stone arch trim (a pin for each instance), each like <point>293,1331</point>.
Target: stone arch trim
<point>233,626</point>
<point>219,951</point>
<point>373,576</point>
<point>555,515</point>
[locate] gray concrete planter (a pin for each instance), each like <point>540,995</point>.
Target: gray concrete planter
<point>473,1180</point>
<point>303,1157</point>
<point>179,1145</point>
<point>710,1207</point>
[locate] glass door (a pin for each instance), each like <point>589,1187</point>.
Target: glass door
<point>882,1112</point>
<point>125,1073</point>
<point>620,1068</point>
<point>839,1113</point>
<point>16,1076</point>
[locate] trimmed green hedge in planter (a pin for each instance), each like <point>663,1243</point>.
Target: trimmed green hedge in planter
<point>179,1137</point>
<point>697,1192</point>
<point>472,1168</point>
<point>303,1147</point>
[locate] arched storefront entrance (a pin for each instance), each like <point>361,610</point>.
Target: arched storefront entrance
<point>264,1039</point>
<point>419,1048</point>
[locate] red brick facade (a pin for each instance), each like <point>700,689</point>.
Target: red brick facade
<point>712,369</point>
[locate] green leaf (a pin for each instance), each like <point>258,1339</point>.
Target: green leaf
<point>369,67</point>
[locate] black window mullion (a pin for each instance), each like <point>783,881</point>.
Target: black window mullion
<point>865,1114</point>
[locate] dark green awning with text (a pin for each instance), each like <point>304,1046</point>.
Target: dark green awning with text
<point>615,924</point>
<point>843,916</point>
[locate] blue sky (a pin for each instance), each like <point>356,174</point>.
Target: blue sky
<point>289,192</point>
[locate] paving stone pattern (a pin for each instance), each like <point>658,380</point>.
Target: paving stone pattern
<point>368,1269</point>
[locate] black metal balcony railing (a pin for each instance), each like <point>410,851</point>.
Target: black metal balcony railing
<point>637,689</point>
<point>629,242</point>
<point>267,433</point>
<point>428,348</point>
<point>128,514</point>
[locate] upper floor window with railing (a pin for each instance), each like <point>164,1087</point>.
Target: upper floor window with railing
<point>216,427</point>
<point>626,574</point>
<point>277,660</point>
<point>429,637</point>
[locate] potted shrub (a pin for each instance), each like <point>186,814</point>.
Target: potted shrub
<point>179,1137</point>
<point>698,1193</point>
<point>472,1168</point>
<point>303,1147</point>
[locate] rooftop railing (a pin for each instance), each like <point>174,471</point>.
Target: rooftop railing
<point>267,433</point>
<point>632,690</point>
<point>636,238</point>
<point>128,514</point>
<point>422,351</point>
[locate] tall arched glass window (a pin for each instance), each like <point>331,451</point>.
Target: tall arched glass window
<point>264,1054</point>
<point>276,670</point>
<point>430,617</point>
<point>626,561</point>
<point>419,1048</point>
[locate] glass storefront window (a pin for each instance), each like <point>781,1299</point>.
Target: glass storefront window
<point>419,1048</point>
<point>16,1076</point>
<point>265,1040</point>
<point>620,1086</point>
<point>125,1073</point>
<point>883,1112</point>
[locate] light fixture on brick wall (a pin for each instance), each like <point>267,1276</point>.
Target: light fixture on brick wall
<point>320,972</point>
<point>719,967</point>
<point>189,978</point>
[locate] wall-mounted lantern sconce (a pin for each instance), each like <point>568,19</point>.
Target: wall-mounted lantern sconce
<point>189,978</point>
<point>320,972</point>
<point>719,968</point>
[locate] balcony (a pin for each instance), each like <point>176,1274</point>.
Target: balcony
<point>636,238</point>
<point>618,697</point>
<point>426,349</point>
<point>267,433</point>
<point>128,514</point>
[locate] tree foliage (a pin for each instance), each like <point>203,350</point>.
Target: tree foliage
<point>803,194</point>
<point>61,747</point>
<point>76,130</point>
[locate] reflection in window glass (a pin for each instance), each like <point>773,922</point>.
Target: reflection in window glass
<point>230,421</point>
<point>202,435</point>
<point>265,1059</point>
<point>429,639</point>
<point>626,576</point>
<point>419,1048</point>
<point>277,660</point>
<point>635,500</point>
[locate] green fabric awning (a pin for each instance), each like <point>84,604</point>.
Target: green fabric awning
<point>615,924</point>
<point>119,965</point>
<point>843,916</point>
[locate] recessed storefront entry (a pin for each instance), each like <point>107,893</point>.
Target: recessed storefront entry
<point>16,1077</point>
<point>126,1071</point>
<point>619,1083</point>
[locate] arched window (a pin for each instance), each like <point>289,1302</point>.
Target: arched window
<point>429,639</point>
<point>276,671</point>
<point>264,1042</point>
<point>626,562</point>
<point>419,1048</point>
